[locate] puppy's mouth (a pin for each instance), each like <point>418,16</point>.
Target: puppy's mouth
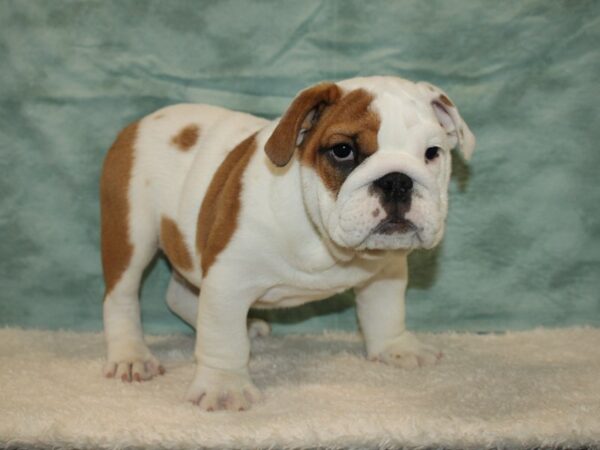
<point>392,225</point>
<point>391,233</point>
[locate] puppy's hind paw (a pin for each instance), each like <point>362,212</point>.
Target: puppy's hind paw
<point>408,352</point>
<point>258,328</point>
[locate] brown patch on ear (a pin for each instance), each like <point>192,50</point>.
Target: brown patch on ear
<point>217,219</point>
<point>186,138</point>
<point>282,143</point>
<point>173,244</point>
<point>114,207</point>
<point>349,120</point>
<point>446,101</point>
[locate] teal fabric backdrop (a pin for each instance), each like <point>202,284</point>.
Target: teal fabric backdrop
<point>523,242</point>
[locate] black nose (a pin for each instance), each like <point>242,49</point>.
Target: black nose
<point>395,186</point>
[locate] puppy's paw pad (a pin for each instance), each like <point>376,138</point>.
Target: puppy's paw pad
<point>133,369</point>
<point>229,392</point>
<point>409,353</point>
<point>235,399</point>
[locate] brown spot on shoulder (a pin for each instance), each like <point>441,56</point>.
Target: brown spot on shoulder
<point>173,244</point>
<point>349,120</point>
<point>186,138</point>
<point>114,205</point>
<point>445,100</point>
<point>159,116</point>
<point>218,216</point>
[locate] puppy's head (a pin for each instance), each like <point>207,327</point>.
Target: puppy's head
<point>375,159</point>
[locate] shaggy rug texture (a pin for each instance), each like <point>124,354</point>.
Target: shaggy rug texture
<point>535,389</point>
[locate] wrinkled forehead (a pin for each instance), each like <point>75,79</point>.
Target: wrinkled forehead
<point>403,108</point>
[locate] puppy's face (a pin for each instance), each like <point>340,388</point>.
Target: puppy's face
<point>375,160</point>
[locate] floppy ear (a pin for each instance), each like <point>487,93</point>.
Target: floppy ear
<point>450,119</point>
<point>301,117</point>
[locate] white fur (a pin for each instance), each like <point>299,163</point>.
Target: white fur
<point>295,241</point>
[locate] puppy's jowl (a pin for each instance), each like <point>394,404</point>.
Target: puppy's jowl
<point>260,214</point>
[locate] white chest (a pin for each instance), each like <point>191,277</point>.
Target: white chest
<point>303,287</point>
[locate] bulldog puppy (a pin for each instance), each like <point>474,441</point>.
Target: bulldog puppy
<point>259,214</point>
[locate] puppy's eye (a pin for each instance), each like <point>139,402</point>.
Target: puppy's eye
<point>342,152</point>
<point>431,153</point>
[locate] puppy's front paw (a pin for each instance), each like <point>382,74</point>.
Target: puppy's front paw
<point>134,369</point>
<point>215,389</point>
<point>408,352</point>
<point>132,362</point>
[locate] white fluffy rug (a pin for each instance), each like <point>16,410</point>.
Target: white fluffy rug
<point>528,389</point>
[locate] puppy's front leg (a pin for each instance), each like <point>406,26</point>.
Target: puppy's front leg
<point>222,380</point>
<point>381,314</point>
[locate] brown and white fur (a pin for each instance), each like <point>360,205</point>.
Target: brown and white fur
<point>253,213</point>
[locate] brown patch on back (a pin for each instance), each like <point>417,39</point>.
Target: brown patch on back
<point>349,120</point>
<point>114,207</point>
<point>218,215</point>
<point>445,100</point>
<point>186,138</point>
<point>173,244</point>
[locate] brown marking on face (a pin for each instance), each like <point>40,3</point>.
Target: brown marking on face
<point>220,208</point>
<point>173,244</point>
<point>348,121</point>
<point>114,205</point>
<point>445,100</point>
<point>186,138</point>
<point>376,212</point>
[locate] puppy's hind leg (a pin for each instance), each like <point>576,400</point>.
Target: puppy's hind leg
<point>182,299</point>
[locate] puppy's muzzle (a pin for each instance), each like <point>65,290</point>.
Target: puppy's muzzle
<point>395,192</point>
<point>395,187</point>
<point>388,174</point>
